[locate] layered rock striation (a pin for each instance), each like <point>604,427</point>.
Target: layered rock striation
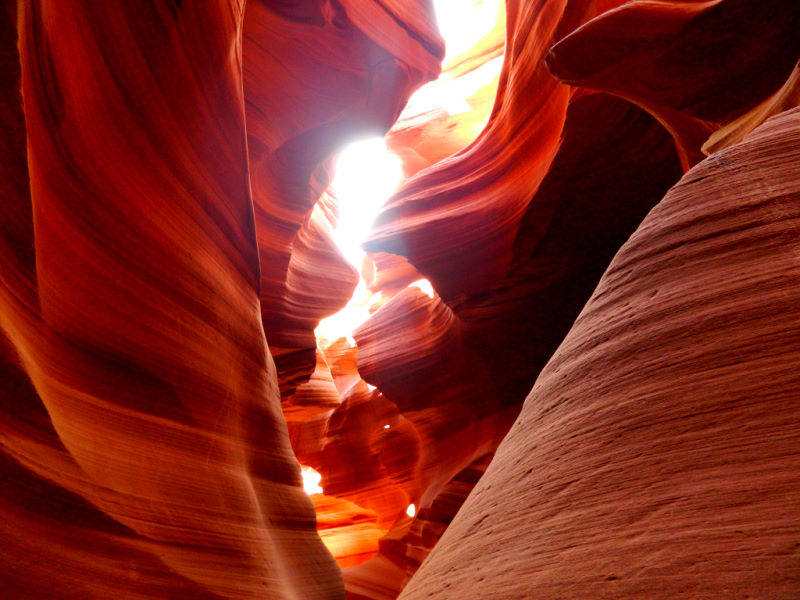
<point>656,456</point>
<point>167,251</point>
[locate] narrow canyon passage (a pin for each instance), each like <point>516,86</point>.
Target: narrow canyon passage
<point>366,450</point>
<point>378,299</point>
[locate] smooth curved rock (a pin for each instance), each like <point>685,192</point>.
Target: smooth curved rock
<point>784,99</point>
<point>166,255</point>
<point>461,374</point>
<point>692,64</point>
<point>315,77</point>
<point>478,195</point>
<point>657,454</point>
<point>147,353</point>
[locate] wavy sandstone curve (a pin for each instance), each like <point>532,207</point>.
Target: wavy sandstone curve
<point>317,75</point>
<point>149,355</point>
<point>167,252</point>
<point>460,375</point>
<point>694,65</point>
<point>478,195</point>
<point>657,454</point>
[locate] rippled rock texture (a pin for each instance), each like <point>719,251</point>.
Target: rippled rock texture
<point>657,454</point>
<point>158,164</point>
<point>166,252</point>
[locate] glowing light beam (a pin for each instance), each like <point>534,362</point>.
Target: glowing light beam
<point>311,479</point>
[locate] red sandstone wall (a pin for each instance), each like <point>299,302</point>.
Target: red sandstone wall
<point>166,252</point>
<point>144,450</point>
<point>657,454</point>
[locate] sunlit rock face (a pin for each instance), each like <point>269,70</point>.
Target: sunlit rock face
<point>169,245</point>
<point>315,75</point>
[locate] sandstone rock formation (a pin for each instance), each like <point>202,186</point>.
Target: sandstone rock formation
<point>477,360</point>
<point>140,394</point>
<point>657,454</point>
<point>167,251</point>
<point>317,74</point>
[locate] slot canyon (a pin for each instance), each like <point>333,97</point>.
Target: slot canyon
<point>378,299</point>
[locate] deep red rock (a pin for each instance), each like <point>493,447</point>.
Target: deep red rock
<point>478,195</point>
<point>166,254</point>
<point>144,340</point>
<point>691,64</point>
<point>657,454</point>
<point>460,374</point>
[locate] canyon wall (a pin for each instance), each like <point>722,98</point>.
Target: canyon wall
<point>656,456</point>
<point>613,223</point>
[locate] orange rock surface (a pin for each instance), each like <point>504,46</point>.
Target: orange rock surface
<point>141,399</point>
<point>657,454</point>
<point>608,215</point>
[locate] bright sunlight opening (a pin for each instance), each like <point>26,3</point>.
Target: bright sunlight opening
<point>457,106</point>
<point>423,285</point>
<point>366,175</point>
<point>462,23</point>
<point>311,479</point>
<point>366,172</point>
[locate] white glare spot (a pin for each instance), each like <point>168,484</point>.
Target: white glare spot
<point>311,479</point>
<point>370,386</point>
<point>386,426</point>
<point>343,323</point>
<point>462,23</point>
<point>411,510</point>
<point>457,106</point>
<point>366,175</point>
<point>424,285</point>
